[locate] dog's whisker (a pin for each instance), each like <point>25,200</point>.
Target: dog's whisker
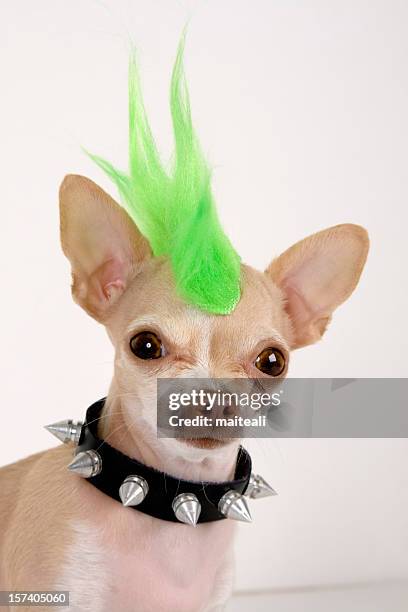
<point>106,438</point>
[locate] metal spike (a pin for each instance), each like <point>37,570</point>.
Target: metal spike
<point>258,487</point>
<point>233,505</point>
<point>66,431</point>
<point>86,464</point>
<point>187,508</point>
<point>133,490</point>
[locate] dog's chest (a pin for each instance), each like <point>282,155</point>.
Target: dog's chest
<point>136,563</point>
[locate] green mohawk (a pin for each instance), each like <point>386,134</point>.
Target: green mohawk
<point>174,208</point>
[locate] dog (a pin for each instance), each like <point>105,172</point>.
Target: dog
<point>58,532</point>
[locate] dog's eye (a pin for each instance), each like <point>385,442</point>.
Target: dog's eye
<point>146,345</point>
<point>271,361</point>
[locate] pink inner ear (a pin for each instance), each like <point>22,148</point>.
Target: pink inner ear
<point>308,285</point>
<point>109,280</point>
<point>308,323</point>
<point>296,306</point>
<point>114,289</point>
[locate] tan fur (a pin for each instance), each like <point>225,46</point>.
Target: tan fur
<point>61,533</point>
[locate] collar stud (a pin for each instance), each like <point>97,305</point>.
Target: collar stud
<point>187,508</point>
<point>66,431</point>
<point>258,488</point>
<point>133,490</point>
<point>233,505</point>
<point>86,464</point>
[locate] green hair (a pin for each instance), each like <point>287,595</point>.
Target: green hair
<point>174,208</point>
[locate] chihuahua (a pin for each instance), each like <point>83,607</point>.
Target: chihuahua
<point>60,533</point>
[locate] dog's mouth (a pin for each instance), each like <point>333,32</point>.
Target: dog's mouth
<point>206,442</point>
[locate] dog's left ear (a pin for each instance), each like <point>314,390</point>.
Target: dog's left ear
<point>317,275</point>
<point>102,243</point>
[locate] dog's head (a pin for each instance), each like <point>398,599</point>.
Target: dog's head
<point>157,334</point>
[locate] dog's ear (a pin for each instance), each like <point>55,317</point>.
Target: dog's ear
<point>102,243</point>
<point>317,275</point>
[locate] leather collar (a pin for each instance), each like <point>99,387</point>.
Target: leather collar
<point>162,488</point>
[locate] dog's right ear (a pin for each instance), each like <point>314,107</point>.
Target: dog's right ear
<point>102,243</point>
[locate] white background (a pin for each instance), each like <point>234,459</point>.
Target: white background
<point>302,108</point>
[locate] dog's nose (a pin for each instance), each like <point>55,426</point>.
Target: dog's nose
<point>215,403</point>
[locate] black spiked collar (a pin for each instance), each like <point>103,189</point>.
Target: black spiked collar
<point>153,492</point>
